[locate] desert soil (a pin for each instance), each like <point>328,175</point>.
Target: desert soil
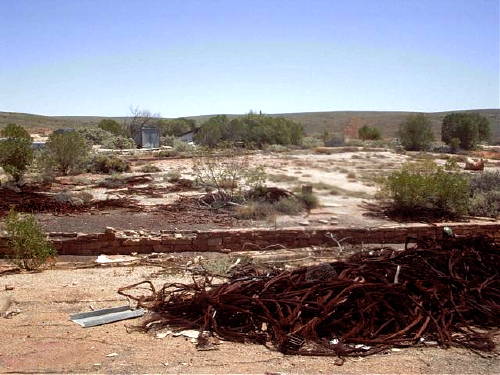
<point>41,339</point>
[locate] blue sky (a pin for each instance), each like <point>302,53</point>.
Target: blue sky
<point>186,57</point>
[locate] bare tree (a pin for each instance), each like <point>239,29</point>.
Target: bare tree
<point>139,118</point>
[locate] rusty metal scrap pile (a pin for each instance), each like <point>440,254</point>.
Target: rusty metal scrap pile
<point>445,295</point>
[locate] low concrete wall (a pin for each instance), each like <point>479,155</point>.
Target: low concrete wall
<point>126,242</point>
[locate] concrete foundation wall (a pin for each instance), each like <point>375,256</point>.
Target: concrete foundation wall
<point>126,242</point>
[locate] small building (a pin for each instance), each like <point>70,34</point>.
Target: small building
<point>147,137</point>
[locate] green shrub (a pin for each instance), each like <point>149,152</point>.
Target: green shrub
<point>310,200</point>
<point>108,164</point>
<point>119,143</point>
<point>28,246</point>
<point>98,136</point>
<point>149,168</point>
<point>95,136</point>
<point>74,198</point>
<point>112,182</point>
<point>255,210</point>
<point>228,175</point>
<point>277,148</point>
<point>369,133</point>
<point>485,191</point>
<point>289,206</point>
<point>167,153</point>
<point>111,126</point>
<point>486,204</point>
<point>173,175</point>
<point>167,140</point>
<point>15,131</point>
<point>67,152</point>
<point>426,186</point>
<point>180,146</point>
<point>485,182</point>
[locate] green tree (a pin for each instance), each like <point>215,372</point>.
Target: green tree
<point>416,133</point>
<point>252,129</point>
<point>111,126</point>
<point>369,133</point>
<point>16,153</point>
<point>67,152</point>
<point>469,128</point>
<point>176,126</point>
<point>212,131</point>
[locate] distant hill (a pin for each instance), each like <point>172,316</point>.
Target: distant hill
<point>313,122</point>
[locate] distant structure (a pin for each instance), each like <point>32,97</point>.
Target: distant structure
<point>188,137</point>
<point>63,130</point>
<point>352,127</point>
<point>147,137</point>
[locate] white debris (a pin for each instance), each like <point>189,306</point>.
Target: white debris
<point>104,259</point>
<point>190,333</point>
<point>112,355</point>
<point>361,346</point>
<point>162,335</point>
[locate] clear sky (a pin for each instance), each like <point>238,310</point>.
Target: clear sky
<point>187,57</point>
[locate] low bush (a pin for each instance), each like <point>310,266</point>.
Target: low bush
<point>149,168</point>
<point>74,198</point>
<point>486,204</point>
<point>485,182</point>
<point>312,142</point>
<point>112,182</point>
<point>255,210</point>
<point>369,133</point>
<point>119,142</point>
<point>230,176</point>
<point>95,136</point>
<point>173,175</point>
<point>289,206</point>
<point>167,140</point>
<point>67,152</point>
<point>28,246</point>
<point>426,186</point>
<point>310,200</point>
<point>224,265</point>
<point>485,191</point>
<point>181,146</point>
<point>105,138</point>
<point>277,148</point>
<point>168,153</point>
<point>108,164</point>
<point>111,126</point>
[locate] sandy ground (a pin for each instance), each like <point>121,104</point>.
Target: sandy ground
<point>345,183</point>
<point>41,339</point>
